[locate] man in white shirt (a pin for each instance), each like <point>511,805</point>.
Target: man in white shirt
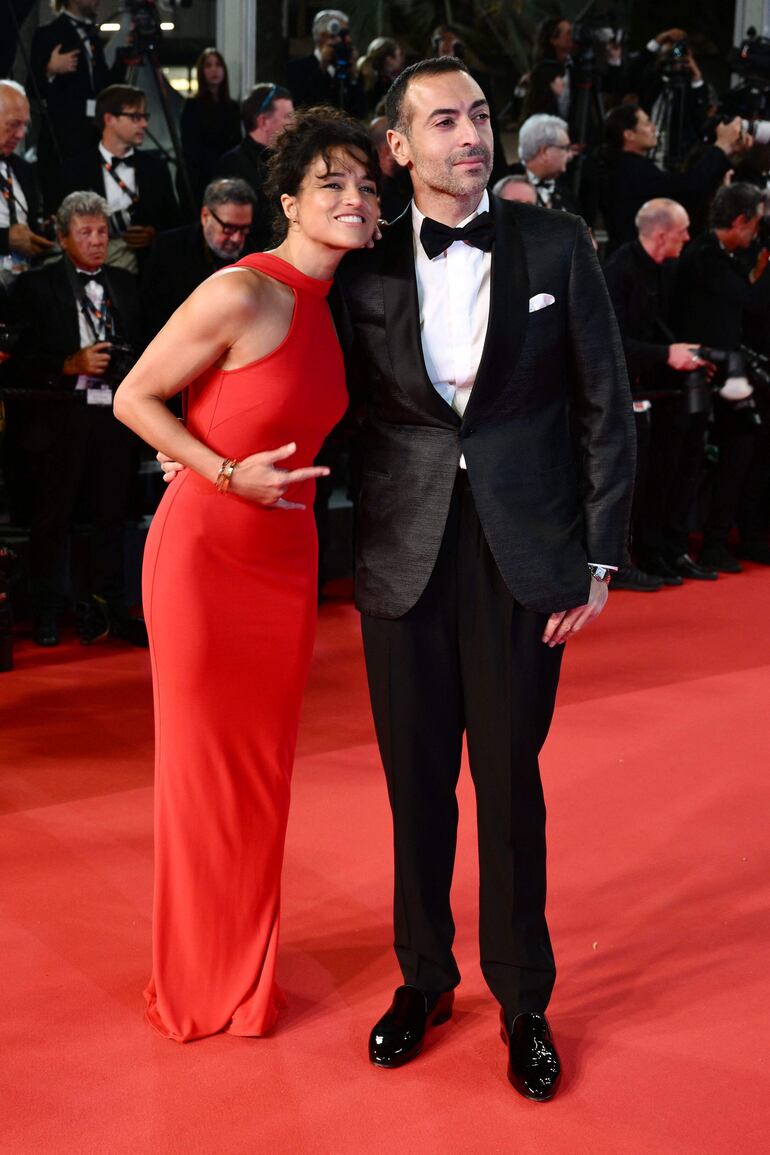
<point>19,196</point>
<point>496,475</point>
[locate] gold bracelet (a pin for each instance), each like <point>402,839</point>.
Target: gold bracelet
<point>224,477</point>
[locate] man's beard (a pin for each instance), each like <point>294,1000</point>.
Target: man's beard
<point>445,177</point>
<point>230,254</point>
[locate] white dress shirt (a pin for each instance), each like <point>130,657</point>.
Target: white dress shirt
<point>453,297</point>
<point>118,201</point>
<point>95,293</point>
<point>12,262</point>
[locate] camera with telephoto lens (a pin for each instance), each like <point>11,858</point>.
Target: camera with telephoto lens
<point>343,50</point>
<point>146,28</point>
<point>734,366</point>
<point>590,35</point>
<point>123,357</point>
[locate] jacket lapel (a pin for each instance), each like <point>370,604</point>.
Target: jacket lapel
<point>402,320</point>
<point>508,312</point>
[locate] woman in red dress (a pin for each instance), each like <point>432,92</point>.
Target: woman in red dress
<point>230,578</point>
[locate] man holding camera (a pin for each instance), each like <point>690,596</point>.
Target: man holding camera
<point>135,184</point>
<point>20,240</point>
<point>81,328</point>
<point>717,292</point>
<point>641,278</point>
<point>328,74</point>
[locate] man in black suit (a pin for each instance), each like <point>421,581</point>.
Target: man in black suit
<point>641,279</point>
<point>265,112</point>
<point>183,258</point>
<point>545,151</point>
<point>630,179</point>
<point>73,313</point>
<point>497,463</point>
<point>20,240</point>
<point>717,295</point>
<point>136,184</point>
<point>327,75</point>
<point>68,71</point>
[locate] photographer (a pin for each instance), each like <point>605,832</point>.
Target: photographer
<point>716,296</point>
<point>629,178</point>
<point>328,74</point>
<point>20,240</point>
<point>81,331</point>
<point>136,185</point>
<point>68,69</point>
<point>668,84</point>
<point>545,152</point>
<point>641,278</point>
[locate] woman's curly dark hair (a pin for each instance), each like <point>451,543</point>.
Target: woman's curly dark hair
<point>314,133</point>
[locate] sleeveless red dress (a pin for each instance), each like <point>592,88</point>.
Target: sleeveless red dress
<point>230,595</point>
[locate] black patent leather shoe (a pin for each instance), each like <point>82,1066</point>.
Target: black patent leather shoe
<point>533,1064</point>
<point>687,568</point>
<point>400,1033</point>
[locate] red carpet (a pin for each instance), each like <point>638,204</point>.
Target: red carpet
<point>656,778</point>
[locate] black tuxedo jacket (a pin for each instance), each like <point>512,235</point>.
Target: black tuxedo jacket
<point>27,178</point>
<point>547,435</point>
<point>43,302</point>
<point>178,262</point>
<point>714,295</point>
<point>66,95</point>
<point>642,293</point>
<point>248,161</point>
<point>157,204</point>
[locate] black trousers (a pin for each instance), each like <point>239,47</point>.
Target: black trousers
<point>674,471</point>
<point>80,456</point>
<point>467,658</point>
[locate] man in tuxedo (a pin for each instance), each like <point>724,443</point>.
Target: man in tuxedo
<point>74,312</point>
<point>182,259</point>
<point>68,70</point>
<point>545,151</point>
<point>136,184</point>
<point>496,471</point>
<point>20,240</point>
<point>265,112</point>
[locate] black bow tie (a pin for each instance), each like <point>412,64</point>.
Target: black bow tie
<point>436,238</point>
<point>548,185</point>
<point>115,161</point>
<point>86,278</point>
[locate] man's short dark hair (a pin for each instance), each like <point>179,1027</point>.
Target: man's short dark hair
<point>228,190</point>
<point>114,99</point>
<point>620,120</point>
<point>394,101</point>
<point>734,200</point>
<point>259,102</point>
<point>315,132</point>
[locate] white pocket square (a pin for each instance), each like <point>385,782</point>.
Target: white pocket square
<point>541,301</point>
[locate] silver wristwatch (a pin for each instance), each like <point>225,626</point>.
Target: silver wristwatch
<point>600,573</point>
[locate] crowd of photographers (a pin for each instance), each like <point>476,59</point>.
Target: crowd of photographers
<point>99,244</point>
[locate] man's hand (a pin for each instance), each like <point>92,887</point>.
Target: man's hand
<point>684,357</point>
<point>568,622</point>
<point>139,236</point>
<point>22,240</point>
<point>62,62</point>
<point>91,361</point>
<point>729,136</point>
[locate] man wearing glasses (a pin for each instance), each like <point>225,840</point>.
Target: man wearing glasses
<point>265,112</point>
<point>136,184</point>
<point>545,152</point>
<point>182,258</point>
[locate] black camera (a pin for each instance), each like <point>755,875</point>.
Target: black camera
<point>735,367</point>
<point>753,56</point>
<point>123,357</point>
<point>343,50</point>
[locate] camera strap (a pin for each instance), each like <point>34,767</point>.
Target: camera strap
<point>99,319</point>
<point>8,193</point>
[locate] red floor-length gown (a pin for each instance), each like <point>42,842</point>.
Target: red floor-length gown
<point>230,601</point>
